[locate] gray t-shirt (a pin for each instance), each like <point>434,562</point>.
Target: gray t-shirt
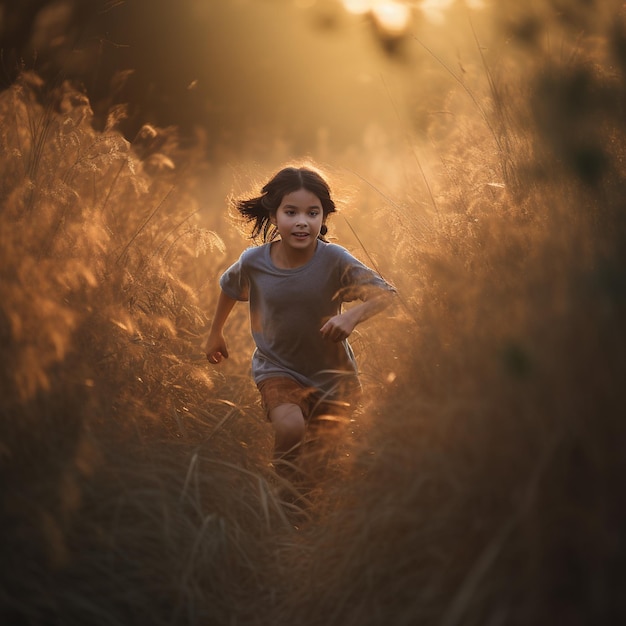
<point>289,306</point>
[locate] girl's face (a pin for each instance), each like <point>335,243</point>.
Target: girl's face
<point>299,219</point>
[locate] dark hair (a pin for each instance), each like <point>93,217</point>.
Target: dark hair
<point>289,179</point>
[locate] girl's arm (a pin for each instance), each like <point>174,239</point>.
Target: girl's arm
<point>216,348</point>
<point>339,327</point>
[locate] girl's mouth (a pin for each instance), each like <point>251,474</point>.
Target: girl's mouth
<point>300,235</point>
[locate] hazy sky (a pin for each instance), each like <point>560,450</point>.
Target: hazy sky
<point>256,66</point>
<point>245,71</point>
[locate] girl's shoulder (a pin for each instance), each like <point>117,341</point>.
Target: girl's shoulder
<point>333,248</point>
<point>254,254</point>
<point>335,251</point>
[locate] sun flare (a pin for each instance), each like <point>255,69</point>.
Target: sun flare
<point>394,17</point>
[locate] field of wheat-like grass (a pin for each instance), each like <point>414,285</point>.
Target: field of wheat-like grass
<point>481,481</point>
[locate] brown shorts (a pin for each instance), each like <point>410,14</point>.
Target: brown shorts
<point>284,390</point>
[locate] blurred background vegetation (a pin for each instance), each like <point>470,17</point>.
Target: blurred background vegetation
<point>477,153</point>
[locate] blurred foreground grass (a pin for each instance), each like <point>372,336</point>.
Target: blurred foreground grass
<point>482,483</point>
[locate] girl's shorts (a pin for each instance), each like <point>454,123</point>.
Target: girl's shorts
<point>284,390</point>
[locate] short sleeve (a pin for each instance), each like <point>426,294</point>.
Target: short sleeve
<point>359,282</point>
<point>234,281</point>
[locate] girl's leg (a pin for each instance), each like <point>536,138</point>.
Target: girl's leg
<point>289,427</point>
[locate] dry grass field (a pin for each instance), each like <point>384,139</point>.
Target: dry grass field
<point>481,482</point>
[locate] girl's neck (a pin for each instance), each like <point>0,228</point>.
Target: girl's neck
<point>286,258</point>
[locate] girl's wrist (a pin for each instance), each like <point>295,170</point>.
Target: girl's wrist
<point>354,315</point>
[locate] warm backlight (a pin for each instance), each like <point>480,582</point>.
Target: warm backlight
<point>394,16</point>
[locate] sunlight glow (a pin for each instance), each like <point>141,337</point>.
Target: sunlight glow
<point>392,17</point>
<point>434,10</point>
<point>358,7</point>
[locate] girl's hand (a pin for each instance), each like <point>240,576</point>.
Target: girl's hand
<point>216,349</point>
<point>338,327</point>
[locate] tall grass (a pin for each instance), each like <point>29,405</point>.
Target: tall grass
<point>491,491</point>
<point>123,461</point>
<point>480,482</point>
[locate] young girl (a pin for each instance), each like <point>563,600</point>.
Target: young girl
<point>295,286</point>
